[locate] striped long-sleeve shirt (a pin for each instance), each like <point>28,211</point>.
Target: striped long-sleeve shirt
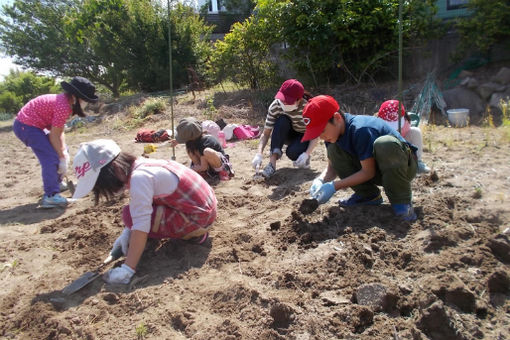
<point>296,116</point>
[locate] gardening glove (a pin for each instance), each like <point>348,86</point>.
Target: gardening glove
<point>122,242</point>
<point>301,161</point>
<point>257,161</point>
<point>325,192</point>
<point>316,185</point>
<point>119,275</point>
<point>62,166</point>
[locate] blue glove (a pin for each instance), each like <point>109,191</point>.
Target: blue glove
<point>316,185</point>
<point>325,192</point>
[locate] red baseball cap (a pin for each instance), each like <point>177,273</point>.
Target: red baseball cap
<point>290,91</point>
<point>389,112</point>
<point>316,114</point>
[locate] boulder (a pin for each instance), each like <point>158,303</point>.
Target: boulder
<point>503,76</point>
<point>487,89</point>
<point>463,98</point>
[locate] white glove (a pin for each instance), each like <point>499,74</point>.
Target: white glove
<point>316,185</point>
<point>122,241</point>
<point>119,275</point>
<point>62,166</point>
<point>301,161</point>
<point>257,161</point>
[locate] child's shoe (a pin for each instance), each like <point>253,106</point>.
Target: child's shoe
<point>53,201</point>
<point>268,171</point>
<point>404,211</point>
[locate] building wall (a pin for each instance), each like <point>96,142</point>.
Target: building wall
<point>451,9</point>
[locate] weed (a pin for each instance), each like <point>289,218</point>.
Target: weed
<point>5,116</point>
<point>141,331</point>
<point>477,193</point>
<point>505,109</point>
<point>149,107</point>
<point>210,109</point>
<point>12,265</point>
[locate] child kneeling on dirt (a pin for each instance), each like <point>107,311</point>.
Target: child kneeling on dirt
<point>167,199</point>
<point>208,157</point>
<point>364,152</point>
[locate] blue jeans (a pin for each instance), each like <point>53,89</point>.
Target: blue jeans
<point>45,153</point>
<point>284,134</point>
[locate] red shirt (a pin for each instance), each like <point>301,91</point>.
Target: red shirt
<point>46,111</point>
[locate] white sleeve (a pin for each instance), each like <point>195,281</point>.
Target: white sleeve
<point>140,205</point>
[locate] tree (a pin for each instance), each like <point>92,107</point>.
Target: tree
<point>116,43</point>
<point>487,25</point>
<point>19,87</point>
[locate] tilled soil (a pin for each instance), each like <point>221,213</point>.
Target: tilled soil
<point>276,266</point>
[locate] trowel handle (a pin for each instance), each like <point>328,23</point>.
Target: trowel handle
<point>115,254</point>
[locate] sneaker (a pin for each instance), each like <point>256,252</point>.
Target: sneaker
<point>268,171</point>
<point>404,211</point>
<point>63,186</point>
<point>422,167</point>
<point>357,200</point>
<point>53,201</point>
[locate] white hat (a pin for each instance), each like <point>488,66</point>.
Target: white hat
<point>89,160</point>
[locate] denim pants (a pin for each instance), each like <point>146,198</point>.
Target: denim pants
<point>395,168</point>
<point>284,134</point>
<point>45,153</point>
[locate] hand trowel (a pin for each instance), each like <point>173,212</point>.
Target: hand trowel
<point>88,277</point>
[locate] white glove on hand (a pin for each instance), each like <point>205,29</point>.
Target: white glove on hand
<point>119,275</point>
<point>316,185</point>
<point>257,161</point>
<point>122,241</point>
<point>62,166</point>
<point>301,161</point>
<point>66,155</point>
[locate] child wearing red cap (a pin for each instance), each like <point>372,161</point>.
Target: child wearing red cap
<point>284,124</point>
<point>364,152</point>
<point>389,112</point>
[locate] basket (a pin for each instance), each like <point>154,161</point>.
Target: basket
<point>458,117</point>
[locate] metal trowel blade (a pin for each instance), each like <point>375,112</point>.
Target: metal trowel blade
<point>80,282</point>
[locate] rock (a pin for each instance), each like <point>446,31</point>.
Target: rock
<point>376,296</point>
<point>453,291</point>
<point>461,97</point>
<point>499,282</point>
<point>465,74</point>
<point>500,247</point>
<point>495,101</point>
<point>470,83</point>
<point>503,76</point>
<point>486,90</point>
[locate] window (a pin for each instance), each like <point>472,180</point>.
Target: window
<point>456,4</point>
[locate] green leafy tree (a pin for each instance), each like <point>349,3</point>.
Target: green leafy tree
<point>19,87</point>
<point>244,55</point>
<point>121,44</point>
<point>487,25</point>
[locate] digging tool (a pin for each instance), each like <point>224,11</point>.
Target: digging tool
<point>88,277</point>
<point>70,185</point>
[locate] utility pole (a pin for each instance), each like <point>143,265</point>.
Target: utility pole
<point>171,80</point>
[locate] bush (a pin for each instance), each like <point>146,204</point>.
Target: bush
<point>149,107</point>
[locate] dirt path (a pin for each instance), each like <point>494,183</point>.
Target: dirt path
<point>270,272</point>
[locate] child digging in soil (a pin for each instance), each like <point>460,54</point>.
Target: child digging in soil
<point>167,199</point>
<point>285,125</point>
<point>50,112</point>
<point>364,152</point>
<point>208,157</point>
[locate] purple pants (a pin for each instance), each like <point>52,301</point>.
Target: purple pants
<point>46,154</point>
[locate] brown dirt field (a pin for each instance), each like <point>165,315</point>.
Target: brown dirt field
<point>269,271</point>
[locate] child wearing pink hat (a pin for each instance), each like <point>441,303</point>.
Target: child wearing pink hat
<point>389,112</point>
